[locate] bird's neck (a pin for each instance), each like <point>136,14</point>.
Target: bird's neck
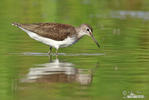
<point>79,32</point>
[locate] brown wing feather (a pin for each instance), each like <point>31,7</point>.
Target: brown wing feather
<point>51,30</point>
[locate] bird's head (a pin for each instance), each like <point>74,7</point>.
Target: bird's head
<point>85,29</point>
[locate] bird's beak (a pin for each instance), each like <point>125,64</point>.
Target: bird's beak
<point>94,40</point>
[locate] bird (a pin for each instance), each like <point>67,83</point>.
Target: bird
<point>57,35</point>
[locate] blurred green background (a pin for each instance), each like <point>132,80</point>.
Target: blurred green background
<point>120,67</point>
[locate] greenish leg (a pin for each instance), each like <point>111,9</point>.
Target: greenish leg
<point>56,52</point>
<point>49,52</point>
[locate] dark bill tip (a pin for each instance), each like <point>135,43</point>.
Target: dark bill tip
<point>95,40</point>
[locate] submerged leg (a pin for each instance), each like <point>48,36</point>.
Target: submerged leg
<point>49,52</point>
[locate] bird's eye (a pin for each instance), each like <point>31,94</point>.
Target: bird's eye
<point>88,30</point>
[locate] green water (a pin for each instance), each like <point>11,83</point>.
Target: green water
<point>83,71</point>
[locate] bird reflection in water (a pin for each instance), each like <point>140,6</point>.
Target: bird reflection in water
<point>57,71</point>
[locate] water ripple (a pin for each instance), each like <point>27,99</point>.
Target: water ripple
<point>63,54</point>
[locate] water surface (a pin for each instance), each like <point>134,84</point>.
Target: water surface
<point>118,70</point>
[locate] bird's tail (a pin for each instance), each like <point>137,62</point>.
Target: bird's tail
<point>15,24</point>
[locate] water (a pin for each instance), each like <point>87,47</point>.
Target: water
<point>118,70</point>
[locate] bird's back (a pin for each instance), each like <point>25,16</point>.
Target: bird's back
<point>53,31</point>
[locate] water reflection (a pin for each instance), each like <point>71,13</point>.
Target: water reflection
<point>57,71</point>
<point>123,14</point>
<point>132,14</point>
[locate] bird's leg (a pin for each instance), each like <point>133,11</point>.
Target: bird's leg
<point>50,57</point>
<point>49,52</point>
<point>56,52</point>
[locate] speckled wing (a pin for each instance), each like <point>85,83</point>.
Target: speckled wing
<point>50,30</point>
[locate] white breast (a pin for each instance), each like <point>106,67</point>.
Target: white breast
<point>56,44</point>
